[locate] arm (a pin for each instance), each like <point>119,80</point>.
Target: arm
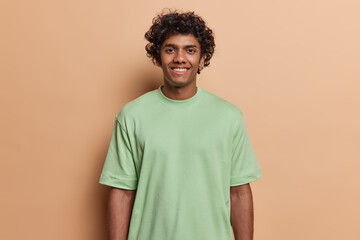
<point>120,206</point>
<point>242,214</point>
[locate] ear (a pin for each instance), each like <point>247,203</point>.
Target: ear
<point>202,61</point>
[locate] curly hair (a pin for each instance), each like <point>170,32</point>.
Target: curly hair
<point>165,25</point>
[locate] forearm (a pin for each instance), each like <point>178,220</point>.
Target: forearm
<point>119,213</point>
<point>242,213</point>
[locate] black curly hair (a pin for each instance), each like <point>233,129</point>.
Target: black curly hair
<point>166,24</point>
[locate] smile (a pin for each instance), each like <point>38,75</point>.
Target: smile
<point>178,70</point>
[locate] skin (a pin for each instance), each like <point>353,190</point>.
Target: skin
<point>180,51</point>
<point>242,212</point>
<point>120,205</point>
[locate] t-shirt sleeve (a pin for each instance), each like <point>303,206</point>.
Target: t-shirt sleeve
<point>244,166</point>
<point>119,168</point>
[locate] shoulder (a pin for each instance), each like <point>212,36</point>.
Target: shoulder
<point>221,105</point>
<point>136,106</point>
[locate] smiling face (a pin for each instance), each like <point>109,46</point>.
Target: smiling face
<point>180,59</point>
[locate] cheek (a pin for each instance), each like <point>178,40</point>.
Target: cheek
<point>165,59</point>
<point>195,61</point>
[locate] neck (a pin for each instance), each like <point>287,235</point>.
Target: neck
<point>179,92</point>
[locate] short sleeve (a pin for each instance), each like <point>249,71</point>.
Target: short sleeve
<point>119,168</point>
<point>244,166</point>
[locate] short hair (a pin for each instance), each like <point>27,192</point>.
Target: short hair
<point>165,25</point>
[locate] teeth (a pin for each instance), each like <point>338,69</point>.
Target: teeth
<point>180,69</point>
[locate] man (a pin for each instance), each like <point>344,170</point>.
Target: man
<point>180,160</point>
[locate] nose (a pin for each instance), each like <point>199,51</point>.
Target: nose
<point>179,57</point>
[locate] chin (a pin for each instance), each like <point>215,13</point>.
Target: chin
<point>179,83</point>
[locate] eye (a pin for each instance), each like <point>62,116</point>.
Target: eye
<point>169,50</point>
<point>191,50</point>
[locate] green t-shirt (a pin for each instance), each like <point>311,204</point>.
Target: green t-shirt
<point>181,156</point>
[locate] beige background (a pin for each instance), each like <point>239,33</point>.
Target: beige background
<point>292,67</point>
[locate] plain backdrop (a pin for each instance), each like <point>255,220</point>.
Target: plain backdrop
<point>292,67</point>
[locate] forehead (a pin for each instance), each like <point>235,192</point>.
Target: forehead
<point>181,40</point>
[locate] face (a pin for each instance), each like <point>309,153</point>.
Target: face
<point>180,59</point>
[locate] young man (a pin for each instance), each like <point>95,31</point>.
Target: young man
<point>180,160</point>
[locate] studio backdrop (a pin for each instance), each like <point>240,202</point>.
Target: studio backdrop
<point>292,67</point>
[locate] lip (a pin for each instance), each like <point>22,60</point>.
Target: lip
<point>178,72</point>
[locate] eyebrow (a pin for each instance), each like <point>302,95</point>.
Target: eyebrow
<point>175,46</point>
